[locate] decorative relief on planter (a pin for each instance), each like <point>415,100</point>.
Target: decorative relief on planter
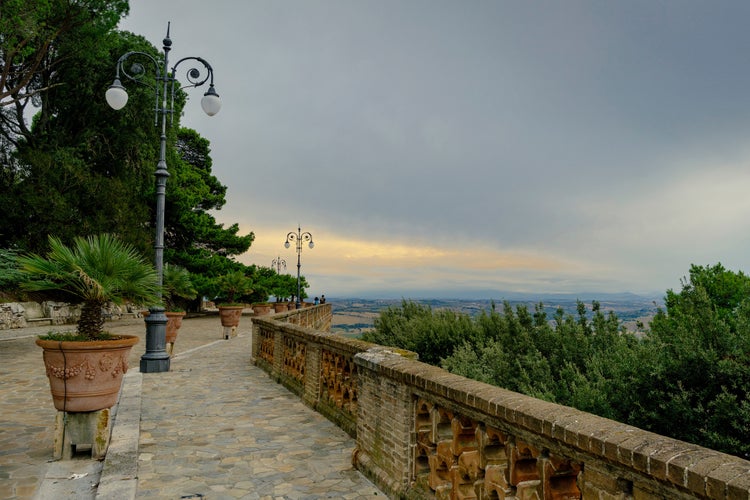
<point>294,359</point>
<point>457,457</point>
<point>108,365</point>
<point>86,375</point>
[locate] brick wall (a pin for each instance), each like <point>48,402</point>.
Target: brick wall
<point>422,432</point>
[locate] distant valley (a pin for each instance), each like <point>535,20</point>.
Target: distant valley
<point>353,316</point>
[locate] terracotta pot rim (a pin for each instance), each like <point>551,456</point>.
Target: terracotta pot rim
<point>88,345</point>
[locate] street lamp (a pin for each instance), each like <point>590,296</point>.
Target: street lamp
<point>278,262</point>
<point>156,358</point>
<point>298,238</point>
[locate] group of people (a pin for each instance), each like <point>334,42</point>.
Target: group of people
<point>321,300</point>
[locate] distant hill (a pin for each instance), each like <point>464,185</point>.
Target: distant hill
<point>500,295</point>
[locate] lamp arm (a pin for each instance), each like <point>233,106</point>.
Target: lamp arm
<point>194,75</point>
<point>137,71</point>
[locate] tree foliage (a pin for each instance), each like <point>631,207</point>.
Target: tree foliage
<point>34,33</point>
<point>688,377</point>
<point>9,273</point>
<point>193,238</point>
<point>283,286</point>
<point>692,376</point>
<point>80,168</point>
<point>234,285</point>
<point>416,327</point>
<point>177,287</point>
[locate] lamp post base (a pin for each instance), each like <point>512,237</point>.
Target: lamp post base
<point>156,359</point>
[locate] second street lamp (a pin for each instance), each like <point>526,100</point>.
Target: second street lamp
<point>156,358</point>
<point>279,263</point>
<point>298,238</point>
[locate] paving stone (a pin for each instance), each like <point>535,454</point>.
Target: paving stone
<point>214,425</point>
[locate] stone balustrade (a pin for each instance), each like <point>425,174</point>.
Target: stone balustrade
<point>297,351</point>
<point>422,432</point>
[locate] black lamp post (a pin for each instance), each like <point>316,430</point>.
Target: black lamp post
<point>298,238</point>
<point>156,358</point>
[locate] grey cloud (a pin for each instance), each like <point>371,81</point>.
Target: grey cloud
<point>483,121</point>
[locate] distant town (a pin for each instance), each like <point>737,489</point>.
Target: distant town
<point>353,316</point>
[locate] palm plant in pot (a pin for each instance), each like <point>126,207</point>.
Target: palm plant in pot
<point>85,368</point>
<point>232,285</point>
<point>177,285</point>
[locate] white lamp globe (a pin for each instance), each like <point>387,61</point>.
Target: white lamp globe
<point>116,95</point>
<point>211,102</point>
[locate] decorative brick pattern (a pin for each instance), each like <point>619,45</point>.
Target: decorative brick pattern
<point>266,344</point>
<point>338,381</point>
<point>464,459</point>
<point>294,359</point>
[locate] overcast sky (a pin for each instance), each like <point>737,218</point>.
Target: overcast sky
<point>547,146</point>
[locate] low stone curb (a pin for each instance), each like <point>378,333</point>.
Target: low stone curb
<point>119,476</point>
<point>114,478</point>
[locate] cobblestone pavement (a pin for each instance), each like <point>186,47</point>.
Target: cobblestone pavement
<point>214,426</point>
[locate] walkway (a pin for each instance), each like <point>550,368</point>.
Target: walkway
<point>213,427</point>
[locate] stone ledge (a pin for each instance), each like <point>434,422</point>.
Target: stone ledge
<point>119,477</point>
<point>39,322</point>
<point>691,468</point>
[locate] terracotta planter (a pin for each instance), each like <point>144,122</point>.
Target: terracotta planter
<point>86,376</point>
<point>280,307</point>
<point>261,309</point>
<point>230,315</point>
<point>174,322</point>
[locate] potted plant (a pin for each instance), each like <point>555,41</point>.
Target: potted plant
<point>232,285</point>
<point>280,306</point>
<point>176,285</point>
<point>85,368</point>
<point>261,308</point>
